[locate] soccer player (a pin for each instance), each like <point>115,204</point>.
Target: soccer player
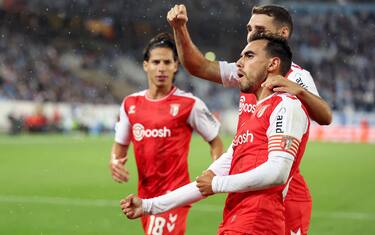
<point>277,20</point>
<point>159,122</point>
<point>265,153</point>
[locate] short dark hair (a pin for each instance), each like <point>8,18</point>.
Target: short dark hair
<point>164,40</point>
<point>277,46</point>
<point>280,14</point>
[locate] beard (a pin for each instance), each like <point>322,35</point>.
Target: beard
<point>247,86</point>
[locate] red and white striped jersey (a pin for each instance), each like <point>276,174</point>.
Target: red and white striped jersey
<point>298,189</point>
<point>279,123</point>
<point>160,131</point>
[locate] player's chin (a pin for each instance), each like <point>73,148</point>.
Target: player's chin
<point>160,84</point>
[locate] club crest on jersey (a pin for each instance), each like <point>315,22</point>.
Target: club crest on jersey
<point>262,110</point>
<point>174,108</point>
<point>131,109</point>
<point>286,142</point>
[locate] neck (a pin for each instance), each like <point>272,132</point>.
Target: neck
<point>158,92</point>
<point>263,92</point>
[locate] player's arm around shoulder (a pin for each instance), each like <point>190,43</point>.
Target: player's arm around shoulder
<point>318,109</point>
<point>302,85</point>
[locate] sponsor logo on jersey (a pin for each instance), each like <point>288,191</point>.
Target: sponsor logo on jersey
<point>131,109</point>
<point>299,81</point>
<point>262,110</point>
<point>279,124</point>
<point>243,138</point>
<point>139,132</point>
<point>174,108</point>
<point>246,107</point>
<point>279,120</point>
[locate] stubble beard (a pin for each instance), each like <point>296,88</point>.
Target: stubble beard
<point>247,87</point>
<point>251,86</point>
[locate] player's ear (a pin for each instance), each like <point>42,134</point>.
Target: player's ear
<point>274,64</point>
<point>145,65</point>
<point>284,32</point>
<point>176,65</point>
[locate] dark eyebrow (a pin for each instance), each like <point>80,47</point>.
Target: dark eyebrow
<point>248,53</point>
<point>260,27</point>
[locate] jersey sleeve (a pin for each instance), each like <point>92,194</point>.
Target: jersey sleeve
<point>228,73</point>
<point>304,79</point>
<point>122,128</point>
<point>273,172</point>
<point>182,196</point>
<point>288,123</point>
<point>203,121</point>
<point>221,166</point>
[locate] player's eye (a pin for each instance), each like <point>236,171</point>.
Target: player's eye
<point>249,55</point>
<point>260,29</point>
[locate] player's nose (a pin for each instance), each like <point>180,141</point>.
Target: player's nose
<point>239,62</point>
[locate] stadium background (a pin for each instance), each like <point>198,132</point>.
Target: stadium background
<point>66,65</point>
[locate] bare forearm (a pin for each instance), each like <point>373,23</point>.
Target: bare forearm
<point>216,148</point>
<point>119,150</point>
<point>192,59</point>
<point>318,109</point>
<point>117,161</point>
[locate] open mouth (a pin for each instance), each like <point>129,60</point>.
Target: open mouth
<point>240,75</point>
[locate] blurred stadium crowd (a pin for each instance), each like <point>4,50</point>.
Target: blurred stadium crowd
<point>90,51</point>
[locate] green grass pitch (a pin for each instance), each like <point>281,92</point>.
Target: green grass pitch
<point>61,185</point>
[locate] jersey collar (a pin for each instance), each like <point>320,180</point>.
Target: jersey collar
<point>160,99</point>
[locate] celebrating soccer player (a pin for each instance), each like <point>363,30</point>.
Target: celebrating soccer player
<point>264,155</point>
<point>272,19</point>
<point>159,122</point>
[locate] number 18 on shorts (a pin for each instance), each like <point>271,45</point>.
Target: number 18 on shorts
<point>172,222</point>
